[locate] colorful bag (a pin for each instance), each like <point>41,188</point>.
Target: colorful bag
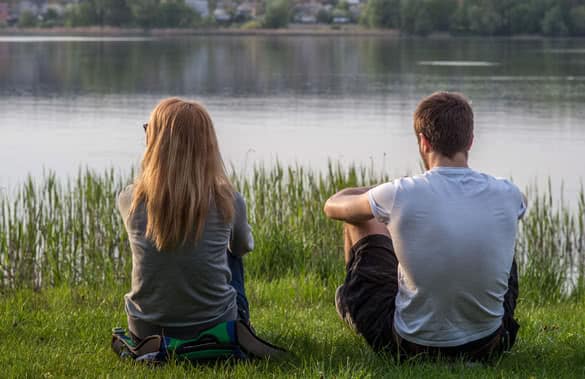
<point>227,340</point>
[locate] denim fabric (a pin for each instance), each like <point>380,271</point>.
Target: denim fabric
<point>236,266</point>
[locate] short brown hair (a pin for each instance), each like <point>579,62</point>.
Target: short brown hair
<point>446,121</point>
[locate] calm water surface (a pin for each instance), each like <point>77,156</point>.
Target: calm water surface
<point>71,102</point>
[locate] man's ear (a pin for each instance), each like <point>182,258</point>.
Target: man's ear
<point>425,145</point>
<point>470,143</point>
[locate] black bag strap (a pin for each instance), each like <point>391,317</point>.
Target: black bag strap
<point>256,347</point>
<point>124,347</point>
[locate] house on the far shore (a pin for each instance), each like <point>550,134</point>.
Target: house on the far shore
<point>199,6</point>
<point>58,5</point>
<point>35,7</point>
<point>4,13</point>
<point>221,15</point>
<point>305,11</point>
<point>245,11</point>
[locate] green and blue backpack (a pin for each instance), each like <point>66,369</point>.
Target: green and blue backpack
<point>226,340</point>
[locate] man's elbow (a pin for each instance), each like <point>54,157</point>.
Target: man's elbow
<point>327,209</point>
<point>333,211</point>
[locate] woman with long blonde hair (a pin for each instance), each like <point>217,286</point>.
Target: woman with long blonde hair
<point>187,229</point>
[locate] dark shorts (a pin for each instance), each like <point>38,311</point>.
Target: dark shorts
<point>366,301</point>
<point>366,298</point>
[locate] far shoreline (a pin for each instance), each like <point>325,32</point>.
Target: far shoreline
<point>293,31</point>
<point>96,31</point>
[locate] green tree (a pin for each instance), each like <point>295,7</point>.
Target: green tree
<point>502,9</point>
<point>415,17</point>
<point>342,5</point>
<point>323,16</point>
<point>525,18</point>
<point>440,13</point>
<point>113,12</point>
<point>484,20</point>
<point>144,12</point>
<point>340,13</point>
<point>459,22</point>
<point>553,23</point>
<point>423,24</point>
<point>176,14</point>
<point>382,14</point>
<point>342,10</point>
<point>51,18</point>
<point>82,14</point>
<point>408,12</point>
<point>277,14</point>
<point>577,17</point>
<point>27,20</point>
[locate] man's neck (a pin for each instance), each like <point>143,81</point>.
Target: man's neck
<point>439,160</point>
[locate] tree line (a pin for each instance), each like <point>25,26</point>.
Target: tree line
<point>420,17</point>
<point>118,13</point>
<point>141,13</point>
<point>479,17</point>
<point>150,14</point>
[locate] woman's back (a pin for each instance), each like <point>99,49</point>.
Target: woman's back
<point>184,286</point>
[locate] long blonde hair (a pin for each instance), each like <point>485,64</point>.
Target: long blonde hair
<point>182,174</point>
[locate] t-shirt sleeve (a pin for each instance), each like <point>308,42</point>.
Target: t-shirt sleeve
<point>522,203</point>
<point>241,240</point>
<point>382,201</point>
<point>519,200</point>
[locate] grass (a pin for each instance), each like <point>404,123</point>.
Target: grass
<point>64,331</point>
<point>65,265</point>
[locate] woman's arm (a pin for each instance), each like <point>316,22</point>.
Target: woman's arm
<point>124,201</point>
<point>241,240</point>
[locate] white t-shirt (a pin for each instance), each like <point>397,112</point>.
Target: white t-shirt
<point>453,231</point>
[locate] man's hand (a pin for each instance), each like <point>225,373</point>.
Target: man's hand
<point>350,205</point>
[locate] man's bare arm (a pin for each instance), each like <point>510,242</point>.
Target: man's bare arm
<point>350,205</point>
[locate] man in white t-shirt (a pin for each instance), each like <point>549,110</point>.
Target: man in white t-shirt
<point>430,258</point>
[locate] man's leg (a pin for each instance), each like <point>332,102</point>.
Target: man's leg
<point>236,266</point>
<point>366,300</point>
<point>353,233</point>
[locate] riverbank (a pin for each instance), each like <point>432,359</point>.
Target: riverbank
<point>292,30</point>
<point>297,30</point>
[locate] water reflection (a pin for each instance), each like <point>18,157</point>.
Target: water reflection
<point>78,101</point>
<point>264,65</point>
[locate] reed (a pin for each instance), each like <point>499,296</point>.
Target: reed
<point>68,232</point>
<point>551,247</point>
<point>53,233</point>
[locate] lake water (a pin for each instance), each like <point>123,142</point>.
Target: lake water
<point>71,102</point>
